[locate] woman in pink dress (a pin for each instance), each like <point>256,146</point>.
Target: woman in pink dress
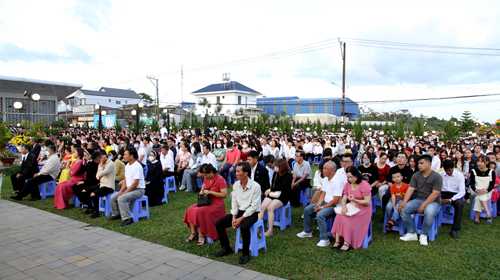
<point>353,229</point>
<point>64,190</point>
<point>204,218</point>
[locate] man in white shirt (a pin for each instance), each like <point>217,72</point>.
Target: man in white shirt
<point>289,153</point>
<point>207,157</point>
<point>436,162</point>
<point>452,193</point>
<point>133,187</point>
<point>163,131</point>
<point>325,208</point>
<point>265,147</point>
<point>141,152</point>
<point>245,207</point>
<point>167,162</point>
<point>317,150</point>
<point>308,148</point>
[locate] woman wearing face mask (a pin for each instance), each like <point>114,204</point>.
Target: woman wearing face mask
<point>274,150</point>
<point>219,153</point>
<point>279,193</point>
<point>119,166</point>
<point>369,171</point>
<point>154,182</point>
<point>245,150</point>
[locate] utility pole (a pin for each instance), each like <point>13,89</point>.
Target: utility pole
<point>342,52</point>
<point>151,78</point>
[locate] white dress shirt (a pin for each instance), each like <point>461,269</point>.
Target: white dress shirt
<point>265,150</point>
<point>247,200</point>
<point>436,163</point>
<point>333,187</point>
<point>167,161</point>
<point>454,183</point>
<point>289,152</point>
<point>210,158</point>
<point>308,148</point>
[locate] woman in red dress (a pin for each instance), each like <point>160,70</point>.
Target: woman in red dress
<point>64,190</point>
<point>204,218</point>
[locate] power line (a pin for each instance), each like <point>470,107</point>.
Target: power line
<point>322,103</point>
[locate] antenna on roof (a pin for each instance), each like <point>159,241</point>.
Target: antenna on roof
<point>226,81</point>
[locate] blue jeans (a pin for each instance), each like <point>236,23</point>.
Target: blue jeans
<point>430,211</point>
<point>321,218</point>
<point>389,211</point>
<point>225,173</point>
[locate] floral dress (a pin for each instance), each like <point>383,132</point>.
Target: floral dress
<point>218,153</point>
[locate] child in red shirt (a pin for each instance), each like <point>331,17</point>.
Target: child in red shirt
<point>398,191</point>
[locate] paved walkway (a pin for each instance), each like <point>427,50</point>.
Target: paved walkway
<point>35,244</point>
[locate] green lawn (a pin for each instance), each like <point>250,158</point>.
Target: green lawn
<point>474,254</point>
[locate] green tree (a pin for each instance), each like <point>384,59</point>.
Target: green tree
<point>387,129</point>
<point>118,126</point>
<point>283,113</point>
<point>218,108</point>
<point>466,122</point>
<point>359,129</point>
<point>451,132</point>
<point>400,130</point>
<point>155,126</point>
<point>418,128</point>
<point>319,128</point>
<point>337,126</point>
<point>59,124</point>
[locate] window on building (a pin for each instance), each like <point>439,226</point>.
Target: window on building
<point>110,101</point>
<point>239,100</point>
<point>218,99</point>
<point>246,101</point>
<point>125,101</point>
<point>118,102</point>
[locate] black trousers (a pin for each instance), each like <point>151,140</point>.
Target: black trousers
<point>99,192</point>
<point>295,199</point>
<point>309,156</point>
<point>179,174</point>
<point>227,221</point>
<point>84,197</point>
<point>459,209</point>
<point>31,186</point>
<point>19,183</point>
<point>167,174</point>
<point>290,163</point>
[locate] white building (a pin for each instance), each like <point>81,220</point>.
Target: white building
<point>231,95</point>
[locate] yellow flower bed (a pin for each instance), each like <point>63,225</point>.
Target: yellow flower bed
<point>20,140</point>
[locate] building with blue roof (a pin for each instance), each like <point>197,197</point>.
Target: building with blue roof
<point>231,95</point>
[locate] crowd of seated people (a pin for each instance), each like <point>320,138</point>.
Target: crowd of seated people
<point>266,172</point>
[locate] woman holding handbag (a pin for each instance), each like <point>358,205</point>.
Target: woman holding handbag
<point>203,218</point>
<point>279,193</point>
<point>353,222</point>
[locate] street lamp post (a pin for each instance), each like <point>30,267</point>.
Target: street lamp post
<point>98,107</point>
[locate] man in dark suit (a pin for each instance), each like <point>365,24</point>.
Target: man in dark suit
<point>259,172</point>
<point>29,167</point>
<point>37,147</point>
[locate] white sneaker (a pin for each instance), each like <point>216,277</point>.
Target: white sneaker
<point>409,237</point>
<point>323,243</point>
<point>423,240</point>
<point>304,234</point>
<point>183,187</point>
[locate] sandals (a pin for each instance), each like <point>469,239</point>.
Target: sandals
<point>344,250</point>
<point>389,225</point>
<point>336,246</point>
<point>193,238</point>
<point>476,222</point>
<point>200,243</point>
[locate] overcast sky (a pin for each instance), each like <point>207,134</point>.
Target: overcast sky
<point>117,43</point>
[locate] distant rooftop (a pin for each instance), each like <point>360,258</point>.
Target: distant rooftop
<point>109,92</point>
<point>229,86</point>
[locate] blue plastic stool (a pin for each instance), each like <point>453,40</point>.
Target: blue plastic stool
<point>198,180</point>
<point>208,240</point>
<point>293,165</point>
<point>398,226</point>
<point>494,209</point>
<point>418,225</point>
<point>281,218</point>
<point>255,242</point>
<point>137,211</point>
<point>483,213</point>
<point>105,204</point>
<point>168,186</point>
<point>373,204</point>
<point>47,188</point>
<point>75,201</point>
<point>145,169</point>
<point>446,219</point>
<point>318,159</point>
<point>305,196</point>
<point>368,237</point>
<point>329,225</point>
<point>262,163</point>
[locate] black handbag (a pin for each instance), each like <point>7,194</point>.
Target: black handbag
<point>203,200</point>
